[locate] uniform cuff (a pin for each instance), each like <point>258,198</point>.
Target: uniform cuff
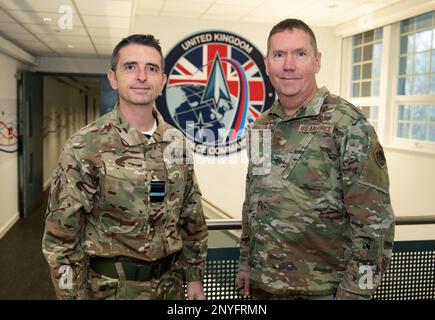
<point>193,274</point>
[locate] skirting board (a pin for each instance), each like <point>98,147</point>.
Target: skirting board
<point>4,229</point>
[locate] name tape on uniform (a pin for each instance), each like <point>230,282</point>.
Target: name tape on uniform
<point>326,128</point>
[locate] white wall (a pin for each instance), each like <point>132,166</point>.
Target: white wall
<point>412,188</point>
<point>64,114</point>
<point>224,184</point>
<point>73,65</point>
<point>8,161</point>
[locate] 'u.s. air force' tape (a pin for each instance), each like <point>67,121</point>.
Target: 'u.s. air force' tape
<point>157,191</point>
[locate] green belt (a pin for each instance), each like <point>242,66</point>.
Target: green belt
<point>134,269</point>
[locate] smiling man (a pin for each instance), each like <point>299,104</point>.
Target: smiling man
<point>124,220</point>
<point>318,224</point>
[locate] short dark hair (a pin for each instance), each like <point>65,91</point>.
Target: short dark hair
<point>290,24</point>
<point>142,39</point>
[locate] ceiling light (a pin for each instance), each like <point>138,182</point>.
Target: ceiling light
<point>47,19</point>
<point>70,46</point>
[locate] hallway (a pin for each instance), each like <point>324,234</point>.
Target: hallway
<point>25,273</point>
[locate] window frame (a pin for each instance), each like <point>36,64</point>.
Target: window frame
<point>388,99</point>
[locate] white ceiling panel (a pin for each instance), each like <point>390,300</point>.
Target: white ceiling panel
<point>53,29</point>
<point>102,23</point>
<point>11,28</point>
<point>221,17</point>
<point>5,18</point>
<point>105,7</point>
<point>225,9</point>
<point>105,40</point>
<point>34,17</point>
<point>106,22</point>
<point>111,33</point>
<point>186,15</point>
<point>35,5</point>
<point>144,6</point>
<point>185,7</point>
<point>252,3</point>
<point>24,37</point>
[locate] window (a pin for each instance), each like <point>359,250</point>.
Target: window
<point>372,115</point>
<point>389,72</point>
<point>366,63</point>
<point>417,56</point>
<point>416,122</point>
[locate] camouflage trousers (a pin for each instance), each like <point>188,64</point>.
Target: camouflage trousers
<point>169,286</point>
<point>258,294</point>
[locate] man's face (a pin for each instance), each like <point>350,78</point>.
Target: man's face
<point>292,64</point>
<point>138,77</point>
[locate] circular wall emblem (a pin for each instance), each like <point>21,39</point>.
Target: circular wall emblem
<point>217,86</point>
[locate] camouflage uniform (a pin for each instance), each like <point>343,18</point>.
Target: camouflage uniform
<point>99,205</point>
<point>319,221</point>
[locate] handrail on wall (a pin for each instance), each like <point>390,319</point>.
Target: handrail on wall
<point>235,224</point>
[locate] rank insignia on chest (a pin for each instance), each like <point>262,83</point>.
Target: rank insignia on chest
<point>316,127</point>
<point>157,191</point>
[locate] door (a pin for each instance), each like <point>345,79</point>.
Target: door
<point>30,126</point>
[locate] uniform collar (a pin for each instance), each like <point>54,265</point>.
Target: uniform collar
<point>310,108</point>
<point>131,136</point>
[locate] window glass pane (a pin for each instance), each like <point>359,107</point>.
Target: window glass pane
<point>403,65</point>
<point>401,86</point>
<point>433,60</point>
<point>432,113</point>
<point>410,64</point>
<point>419,113</point>
<point>421,85</point>
<point>378,33</point>
<point>367,71</point>
<point>356,73</point>
<point>403,130</point>
<point>368,52</point>
<point>433,38</point>
<point>432,84</point>
<point>432,132</point>
<point>404,112</point>
<point>377,51</point>
<point>424,21</point>
<point>355,89</point>
<point>407,43</point>
<point>374,112</point>
<point>365,89</point>
<point>357,39</point>
<point>405,85</point>
<point>357,54</point>
<point>407,25</point>
<point>375,88</point>
<point>365,111</point>
<point>376,69</point>
<point>422,62</point>
<point>418,131</point>
<point>369,36</point>
<point>423,40</point>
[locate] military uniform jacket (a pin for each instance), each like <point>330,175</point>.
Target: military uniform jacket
<point>318,219</point>
<point>99,202</point>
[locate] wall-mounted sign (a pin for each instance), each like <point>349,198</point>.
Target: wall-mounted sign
<point>217,86</point>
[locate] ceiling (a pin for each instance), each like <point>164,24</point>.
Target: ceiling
<point>38,27</point>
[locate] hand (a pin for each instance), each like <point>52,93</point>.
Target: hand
<point>195,291</point>
<point>242,282</point>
